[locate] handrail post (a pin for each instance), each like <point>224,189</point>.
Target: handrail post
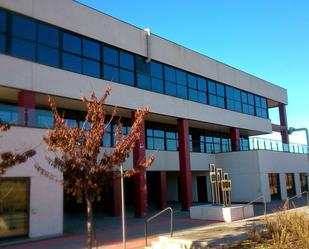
<point>172,222</point>
<point>146,233</point>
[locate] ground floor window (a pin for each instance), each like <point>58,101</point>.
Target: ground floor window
<point>14,207</point>
<point>303,182</point>
<point>274,186</point>
<point>290,184</point>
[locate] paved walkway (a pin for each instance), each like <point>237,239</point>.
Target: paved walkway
<point>108,230</point>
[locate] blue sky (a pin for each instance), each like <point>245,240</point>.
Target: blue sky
<point>269,39</point>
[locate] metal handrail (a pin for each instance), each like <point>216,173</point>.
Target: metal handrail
<point>155,216</point>
<point>297,196</point>
<point>251,202</point>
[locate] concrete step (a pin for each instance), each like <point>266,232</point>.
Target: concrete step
<point>173,243</point>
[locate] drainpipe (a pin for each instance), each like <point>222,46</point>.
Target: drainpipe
<point>147,32</point>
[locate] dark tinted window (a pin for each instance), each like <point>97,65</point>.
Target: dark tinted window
<point>237,95</point>
<point>202,98</point>
<point>110,56</point>
<point>170,88</point>
<point>3,21</point>
<point>91,68</point>
<point>72,62</point>
<point>48,55</point>
<point>72,43</point>
<point>111,73</point>
<point>192,81</point>
<point>182,92</point>
<point>201,84</point>
<point>169,73</point>
<point>2,43</point>
<point>23,27</point>
<point>126,60</point>
<point>220,90</point>
<point>181,77</point>
<point>48,35</point>
<point>157,85</point>
<point>23,49</point>
<point>156,69</point>
<point>211,87</point>
<point>143,81</point>
<point>229,92</point>
<point>193,95</point>
<point>126,77</point>
<point>91,49</point>
<point>263,103</point>
<point>250,99</point>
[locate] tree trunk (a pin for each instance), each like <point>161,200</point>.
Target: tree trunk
<point>89,220</point>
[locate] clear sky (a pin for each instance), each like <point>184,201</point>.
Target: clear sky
<point>267,38</point>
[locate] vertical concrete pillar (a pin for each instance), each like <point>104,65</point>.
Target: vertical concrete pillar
<point>184,164</point>
<point>284,123</point>
<point>26,108</point>
<point>235,139</point>
<point>297,183</point>
<point>163,190</point>
<point>116,210</point>
<point>284,193</point>
<point>140,183</point>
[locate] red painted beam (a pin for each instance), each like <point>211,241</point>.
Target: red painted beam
<point>140,183</point>
<point>26,108</point>
<point>235,139</point>
<point>184,164</point>
<point>278,128</point>
<point>284,123</point>
<point>116,197</point>
<point>163,190</point>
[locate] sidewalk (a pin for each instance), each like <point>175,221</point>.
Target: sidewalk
<point>109,236</point>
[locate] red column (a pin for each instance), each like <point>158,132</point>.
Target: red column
<point>163,190</point>
<point>235,139</point>
<point>26,108</point>
<point>283,123</point>
<point>184,164</point>
<point>140,183</point>
<point>116,197</point>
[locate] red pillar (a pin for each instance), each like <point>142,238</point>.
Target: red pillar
<point>140,183</point>
<point>235,139</point>
<point>283,123</point>
<point>26,108</point>
<point>184,164</point>
<point>116,211</point>
<point>163,190</point>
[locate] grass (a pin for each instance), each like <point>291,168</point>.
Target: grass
<point>284,230</point>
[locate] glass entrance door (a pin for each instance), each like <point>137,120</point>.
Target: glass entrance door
<point>14,207</point>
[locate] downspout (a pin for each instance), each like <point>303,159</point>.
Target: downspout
<point>147,32</point>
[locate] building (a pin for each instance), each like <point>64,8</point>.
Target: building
<point>202,111</point>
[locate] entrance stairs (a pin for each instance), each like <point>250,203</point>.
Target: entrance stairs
<point>176,243</point>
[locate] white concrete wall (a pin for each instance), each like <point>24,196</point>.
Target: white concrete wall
<point>43,79</point>
<point>201,161</point>
<point>243,169</point>
<point>78,18</point>
<point>164,160</point>
<point>46,197</point>
<point>283,190</point>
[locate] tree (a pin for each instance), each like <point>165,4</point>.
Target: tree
<point>79,156</point>
<point>10,159</point>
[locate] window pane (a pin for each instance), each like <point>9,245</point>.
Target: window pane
<point>257,101</point>
<point>171,145</point>
<point>126,77</point>
<point>8,114</point>
<point>220,102</point>
<point>91,49</point>
<point>126,60</point>
<point>149,132</point>
<point>212,100</point>
<point>244,97</point>
<point>201,84</point>
<point>212,87</point>
<point>192,81</point>
<point>150,143</point>
<point>2,43</point>
<point>245,108</point>
<point>263,103</point>
<point>193,94</point>
<point>157,85</point>
<point>48,35</point>
<point>141,65</point>
<point>251,110</point>
<point>3,22</point>
<point>111,73</point>
<point>182,91</point>
<point>91,68</point>
<point>48,56</point>
<point>72,43</point>
<point>229,92</point>
<point>171,135</point>
<point>44,118</point>
<point>181,77</point>
<point>72,63</point>
<point>23,27</point>
<point>158,133</point>
<point>170,88</point>
<point>159,143</point>
<point>263,113</point>
<point>110,56</point>
<point>237,95</point>
<point>169,73</point>
<point>156,69</point>
<point>258,111</point>
<point>202,98</point>
<point>143,81</point>
<point>23,49</point>
<point>237,106</point>
<point>230,104</point>
<point>220,90</point>
<point>250,99</point>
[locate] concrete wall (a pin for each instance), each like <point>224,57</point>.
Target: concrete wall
<point>46,197</point>
<point>81,19</point>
